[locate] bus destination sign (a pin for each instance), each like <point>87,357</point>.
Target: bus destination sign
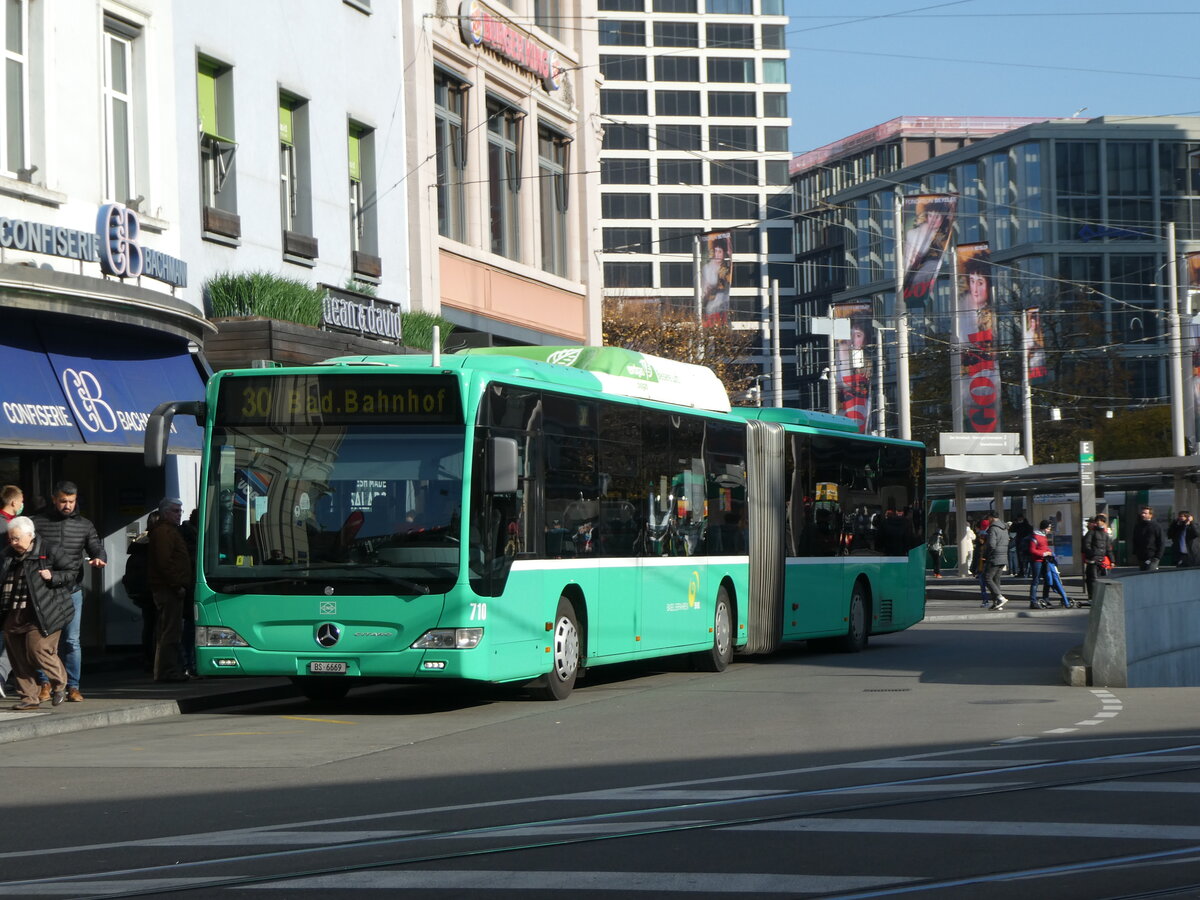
<point>334,399</point>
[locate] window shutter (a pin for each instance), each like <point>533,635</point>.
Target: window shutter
<point>285,123</point>
<point>355,155</point>
<point>206,92</point>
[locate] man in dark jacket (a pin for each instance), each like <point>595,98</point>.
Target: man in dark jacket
<point>1147,540</point>
<point>61,524</point>
<point>35,603</point>
<point>995,558</point>
<point>1022,531</point>
<point>1181,535</point>
<point>170,575</point>
<point>1097,546</point>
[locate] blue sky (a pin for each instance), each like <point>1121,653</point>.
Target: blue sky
<point>857,64</point>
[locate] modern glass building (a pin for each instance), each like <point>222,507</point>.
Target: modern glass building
<point>1074,212</point>
<point>694,110</point>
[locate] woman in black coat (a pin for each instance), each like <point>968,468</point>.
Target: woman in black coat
<point>36,579</point>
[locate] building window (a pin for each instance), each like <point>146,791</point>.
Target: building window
<point>732,137</point>
<point>775,137</point>
<point>680,171</point>
<point>746,274</point>
<point>622,68</point>
<point>553,160</point>
<point>628,274</point>
<point>676,275</point>
<point>779,205</point>
<point>681,206</point>
<point>678,137</point>
<point>624,171</point>
<point>364,220</point>
<point>775,106</point>
<point>119,182</point>
<point>676,34</point>
<point>624,103</point>
<point>621,136</point>
<point>676,68</point>
<point>622,6</point>
<point>781,240</point>
<point>734,171</point>
<point>295,179</point>
<point>677,103</point>
<point>622,33</point>
<point>731,7</point>
<point>777,171</point>
<point>724,34</point>
<point>504,178</point>
<point>218,182</point>
<point>773,37</point>
<point>16,86</point>
<point>774,71</point>
<point>675,6</point>
<point>546,16</point>
<point>626,240</point>
<point>745,240</point>
<point>732,104</point>
<point>676,240</point>
<point>731,69</point>
<point>625,206</point>
<point>450,140</point>
<point>734,206</point>
<point>289,177</point>
<point>772,7</point>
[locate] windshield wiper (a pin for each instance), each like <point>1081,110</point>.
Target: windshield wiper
<point>243,586</point>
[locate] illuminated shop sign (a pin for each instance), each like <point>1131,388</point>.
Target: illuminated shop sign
<point>482,26</point>
<point>115,245</point>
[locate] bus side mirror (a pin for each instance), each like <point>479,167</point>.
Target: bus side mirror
<point>158,428</point>
<point>502,465</point>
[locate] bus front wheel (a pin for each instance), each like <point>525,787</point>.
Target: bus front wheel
<point>717,657</point>
<point>558,683</point>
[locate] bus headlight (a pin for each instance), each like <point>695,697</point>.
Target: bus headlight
<point>449,639</point>
<point>217,636</point>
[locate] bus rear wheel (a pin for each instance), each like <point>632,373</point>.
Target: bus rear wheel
<point>322,689</point>
<point>855,638</point>
<point>558,683</point>
<point>717,657</point>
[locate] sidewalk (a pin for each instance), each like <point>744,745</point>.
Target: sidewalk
<point>954,599</point>
<point>117,692</point>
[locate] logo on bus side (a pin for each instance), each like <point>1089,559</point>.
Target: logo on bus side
<point>327,608</point>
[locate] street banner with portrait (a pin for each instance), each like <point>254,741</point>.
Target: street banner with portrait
<point>716,275</point>
<point>1034,343</point>
<point>976,337</point>
<point>853,366</point>
<point>1191,337</point>
<point>927,220</point>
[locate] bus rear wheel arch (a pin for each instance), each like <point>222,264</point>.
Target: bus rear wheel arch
<point>566,652</point>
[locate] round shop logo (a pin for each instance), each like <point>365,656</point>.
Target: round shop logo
<point>87,400</point>
<point>470,18</point>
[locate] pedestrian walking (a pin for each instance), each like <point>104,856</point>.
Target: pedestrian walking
<point>12,503</point>
<point>1043,569</point>
<point>1022,531</point>
<point>935,553</point>
<point>62,524</point>
<point>1097,546</point>
<point>995,559</point>
<point>978,564</point>
<point>1147,540</point>
<point>36,579</point>
<point>1181,535</point>
<point>170,575</point>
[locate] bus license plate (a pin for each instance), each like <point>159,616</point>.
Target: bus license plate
<point>327,668</point>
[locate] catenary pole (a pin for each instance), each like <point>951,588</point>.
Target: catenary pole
<point>776,348</point>
<point>902,397</point>
<point>1176,347</point>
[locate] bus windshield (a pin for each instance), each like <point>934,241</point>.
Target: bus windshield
<point>303,509</point>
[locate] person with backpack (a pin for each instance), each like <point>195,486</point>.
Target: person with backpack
<point>136,581</point>
<point>995,559</point>
<point>935,553</point>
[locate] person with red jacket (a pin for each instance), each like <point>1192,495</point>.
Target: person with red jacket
<point>1041,555</point>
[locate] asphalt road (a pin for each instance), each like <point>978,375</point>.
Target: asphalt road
<point>947,761</point>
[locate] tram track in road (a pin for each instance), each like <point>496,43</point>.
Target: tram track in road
<point>607,826</point>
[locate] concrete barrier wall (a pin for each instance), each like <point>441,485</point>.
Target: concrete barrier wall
<point>1144,630</point>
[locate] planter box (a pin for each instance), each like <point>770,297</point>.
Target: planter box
<point>297,244</point>
<point>218,221</point>
<point>368,265</point>
<point>240,342</point>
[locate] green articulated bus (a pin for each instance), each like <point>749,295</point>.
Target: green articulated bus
<point>518,516</point>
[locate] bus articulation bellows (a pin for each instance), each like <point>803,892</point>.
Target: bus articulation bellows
<point>517,516</point>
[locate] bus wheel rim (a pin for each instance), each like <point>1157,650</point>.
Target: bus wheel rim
<point>724,628</point>
<point>566,649</point>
